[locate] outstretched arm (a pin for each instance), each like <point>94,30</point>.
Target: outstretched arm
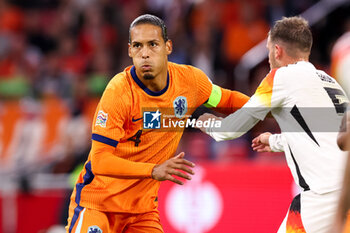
<point>105,162</point>
<point>233,126</point>
<point>258,106</point>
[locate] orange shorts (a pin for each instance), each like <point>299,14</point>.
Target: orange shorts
<point>84,220</point>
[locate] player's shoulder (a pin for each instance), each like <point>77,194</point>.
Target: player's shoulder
<point>120,81</point>
<point>294,73</point>
<point>276,77</point>
<point>301,66</point>
<point>328,81</point>
<point>269,78</point>
<point>119,88</point>
<point>187,74</point>
<point>182,68</point>
<point>325,77</point>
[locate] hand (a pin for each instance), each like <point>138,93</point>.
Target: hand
<point>205,117</point>
<point>166,170</point>
<point>261,143</point>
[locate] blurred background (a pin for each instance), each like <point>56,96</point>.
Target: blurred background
<point>57,56</point>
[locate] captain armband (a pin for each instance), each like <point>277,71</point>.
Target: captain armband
<point>214,98</point>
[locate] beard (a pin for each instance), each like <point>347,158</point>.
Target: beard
<point>148,76</point>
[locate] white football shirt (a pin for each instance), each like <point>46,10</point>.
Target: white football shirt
<point>308,105</point>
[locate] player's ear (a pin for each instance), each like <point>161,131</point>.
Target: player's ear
<point>169,46</point>
<point>278,51</point>
<point>129,49</point>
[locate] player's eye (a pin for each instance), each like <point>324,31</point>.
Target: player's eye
<point>153,44</point>
<point>136,45</point>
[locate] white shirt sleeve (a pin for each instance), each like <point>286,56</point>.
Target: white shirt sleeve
<point>233,126</point>
<point>277,142</point>
<point>258,106</point>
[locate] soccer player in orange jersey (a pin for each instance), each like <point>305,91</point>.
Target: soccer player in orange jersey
<point>117,189</point>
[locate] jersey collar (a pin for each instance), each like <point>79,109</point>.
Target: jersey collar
<point>143,87</point>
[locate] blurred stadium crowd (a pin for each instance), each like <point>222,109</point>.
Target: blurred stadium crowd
<point>56,57</point>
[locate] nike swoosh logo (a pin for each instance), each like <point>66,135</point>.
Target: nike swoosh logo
<point>134,120</point>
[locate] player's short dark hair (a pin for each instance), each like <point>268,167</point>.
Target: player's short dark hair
<point>150,19</point>
<point>294,31</point>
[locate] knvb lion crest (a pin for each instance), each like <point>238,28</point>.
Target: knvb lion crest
<point>180,106</point>
<point>94,229</point>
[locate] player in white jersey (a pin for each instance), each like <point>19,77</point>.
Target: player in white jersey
<point>308,106</point>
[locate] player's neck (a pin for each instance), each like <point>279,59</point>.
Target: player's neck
<point>291,60</point>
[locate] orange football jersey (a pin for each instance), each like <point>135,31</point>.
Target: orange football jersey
<point>118,122</point>
<point>118,179</point>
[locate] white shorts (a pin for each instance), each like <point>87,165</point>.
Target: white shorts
<point>311,213</point>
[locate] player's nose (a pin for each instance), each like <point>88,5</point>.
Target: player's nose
<point>145,52</point>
